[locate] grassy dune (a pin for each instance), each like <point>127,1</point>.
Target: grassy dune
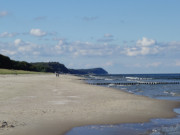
<point>10,71</point>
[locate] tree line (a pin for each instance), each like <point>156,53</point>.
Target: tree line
<point>7,63</point>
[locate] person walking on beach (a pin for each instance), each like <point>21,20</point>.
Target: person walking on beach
<point>57,74</point>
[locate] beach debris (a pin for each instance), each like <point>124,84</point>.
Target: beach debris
<point>5,124</point>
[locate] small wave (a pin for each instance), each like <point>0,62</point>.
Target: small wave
<point>172,130</point>
<point>130,91</point>
<point>108,79</point>
<point>172,93</point>
<point>91,76</point>
<point>132,78</point>
<point>166,92</point>
<point>110,85</point>
<point>138,78</point>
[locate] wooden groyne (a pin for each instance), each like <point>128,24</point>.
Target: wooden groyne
<point>136,83</point>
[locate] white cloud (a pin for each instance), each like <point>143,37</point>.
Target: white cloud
<point>20,47</point>
<point>17,42</point>
<point>131,51</point>
<point>28,47</point>
<point>7,52</point>
<point>58,49</point>
<point>61,47</point>
<point>25,49</point>
<point>61,42</point>
<point>143,47</point>
<point>79,48</point>
<point>37,32</point>
<point>89,49</point>
<point>141,51</point>
<point>3,13</point>
<point>7,34</point>
<point>145,50</point>
<point>145,42</point>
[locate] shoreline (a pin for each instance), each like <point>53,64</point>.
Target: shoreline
<point>44,104</point>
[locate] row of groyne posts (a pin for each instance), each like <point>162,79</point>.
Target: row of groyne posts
<point>136,83</point>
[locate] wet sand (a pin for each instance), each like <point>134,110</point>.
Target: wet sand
<point>44,104</point>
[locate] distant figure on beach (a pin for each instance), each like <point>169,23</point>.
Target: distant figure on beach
<point>57,74</point>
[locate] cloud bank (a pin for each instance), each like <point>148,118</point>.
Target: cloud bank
<point>143,46</point>
<point>8,35</point>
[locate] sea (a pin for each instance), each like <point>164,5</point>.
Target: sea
<point>158,86</point>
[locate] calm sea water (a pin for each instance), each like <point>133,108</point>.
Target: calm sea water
<point>158,91</point>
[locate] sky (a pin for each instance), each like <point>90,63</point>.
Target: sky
<point>121,36</point>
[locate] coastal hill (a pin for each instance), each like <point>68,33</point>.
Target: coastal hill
<point>89,71</point>
<point>7,63</point>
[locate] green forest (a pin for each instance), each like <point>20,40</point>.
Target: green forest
<point>7,63</point>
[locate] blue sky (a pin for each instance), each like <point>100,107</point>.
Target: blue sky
<point>122,36</point>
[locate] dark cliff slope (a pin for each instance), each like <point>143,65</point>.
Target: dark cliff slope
<point>89,71</point>
<point>7,63</point>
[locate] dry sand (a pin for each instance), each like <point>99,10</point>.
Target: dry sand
<point>44,104</point>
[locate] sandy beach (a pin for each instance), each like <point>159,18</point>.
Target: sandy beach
<point>48,105</point>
